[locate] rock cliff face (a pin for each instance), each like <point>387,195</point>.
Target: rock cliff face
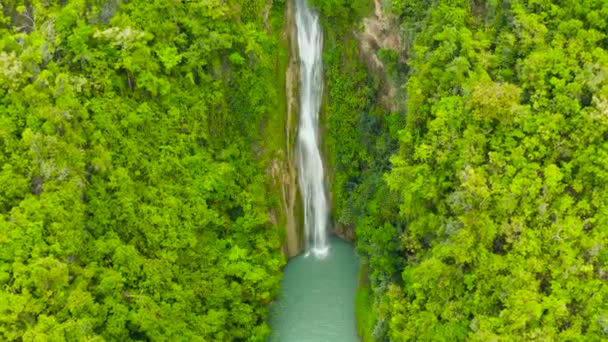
<point>381,31</point>
<point>287,172</point>
<point>345,233</point>
<point>377,31</point>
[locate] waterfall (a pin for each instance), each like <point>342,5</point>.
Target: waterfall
<point>310,164</point>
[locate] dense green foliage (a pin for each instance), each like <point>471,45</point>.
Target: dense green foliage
<point>134,202</point>
<point>360,136</point>
<point>364,306</point>
<point>502,229</point>
<point>135,139</point>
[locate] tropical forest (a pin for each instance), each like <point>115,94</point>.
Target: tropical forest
<point>303,170</point>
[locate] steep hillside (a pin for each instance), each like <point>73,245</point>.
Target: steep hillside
<point>488,222</point>
<point>134,150</point>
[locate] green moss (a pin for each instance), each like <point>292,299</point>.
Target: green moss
<point>273,134</point>
<point>273,130</point>
<point>364,306</point>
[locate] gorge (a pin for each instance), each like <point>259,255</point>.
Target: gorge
<point>180,170</point>
<point>318,288</point>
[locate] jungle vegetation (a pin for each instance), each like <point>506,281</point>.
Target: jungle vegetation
<point>134,203</point>
<point>135,138</point>
<point>479,207</point>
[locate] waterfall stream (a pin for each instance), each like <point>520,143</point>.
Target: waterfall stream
<point>310,164</point>
<point>317,300</point>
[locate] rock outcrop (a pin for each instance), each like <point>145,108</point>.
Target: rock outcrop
<point>381,31</point>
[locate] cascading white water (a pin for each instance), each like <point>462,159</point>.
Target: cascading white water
<point>310,164</point>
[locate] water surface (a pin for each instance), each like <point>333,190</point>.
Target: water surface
<point>317,300</point>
